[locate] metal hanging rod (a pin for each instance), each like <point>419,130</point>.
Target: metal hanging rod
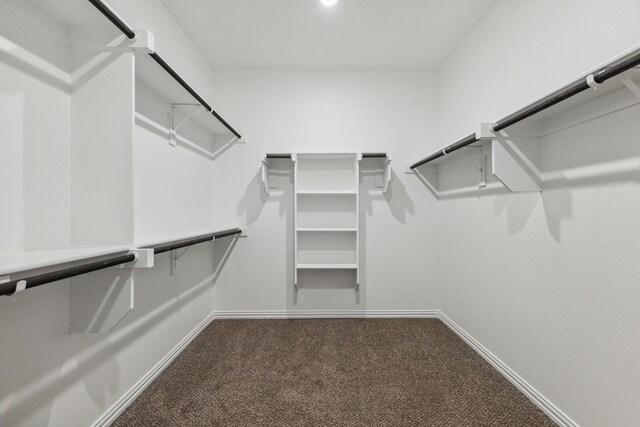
<point>112,16</point>
<point>590,81</point>
<point>12,286</point>
<point>288,155</point>
<point>605,73</point>
<point>173,73</point>
<point>170,246</point>
<point>468,140</point>
<point>278,155</point>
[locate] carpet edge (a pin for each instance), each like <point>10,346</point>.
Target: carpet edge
<point>544,404</point>
<point>118,407</point>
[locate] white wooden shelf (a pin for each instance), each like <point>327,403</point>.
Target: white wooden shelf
<point>326,212</point>
<point>330,229</point>
<point>30,260</point>
<point>326,193</point>
<point>327,266</point>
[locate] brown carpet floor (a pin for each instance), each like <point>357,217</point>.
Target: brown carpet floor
<point>347,372</point>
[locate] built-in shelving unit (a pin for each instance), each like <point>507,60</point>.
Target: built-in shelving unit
<point>508,153</point>
<point>326,212</point>
<point>71,203</point>
<point>377,162</point>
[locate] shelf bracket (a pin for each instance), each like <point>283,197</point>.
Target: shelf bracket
<point>100,39</point>
<point>265,174</point>
<point>20,286</point>
<point>631,85</point>
<point>175,256</point>
<point>482,183</point>
<point>387,174</point>
<point>173,132</point>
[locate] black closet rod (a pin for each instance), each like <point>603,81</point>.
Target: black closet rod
<point>468,140</point>
<point>128,31</point>
<point>114,18</point>
<point>600,76</point>
<point>170,246</point>
<point>288,155</point>
<point>173,73</point>
<point>9,288</point>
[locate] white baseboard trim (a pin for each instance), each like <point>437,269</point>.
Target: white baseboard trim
<point>121,404</point>
<point>532,394</point>
<point>325,314</point>
<point>527,389</point>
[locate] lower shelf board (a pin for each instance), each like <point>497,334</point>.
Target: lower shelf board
<point>327,266</point>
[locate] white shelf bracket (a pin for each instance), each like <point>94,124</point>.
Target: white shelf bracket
<point>173,132</point>
<point>480,168</point>
<point>510,165</point>
<point>265,174</point>
<point>175,256</point>
<point>20,286</point>
<point>387,174</point>
<point>144,259</point>
<point>103,40</point>
<point>630,85</point>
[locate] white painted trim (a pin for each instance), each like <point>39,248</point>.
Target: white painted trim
<point>324,314</point>
<point>527,389</point>
<point>127,399</point>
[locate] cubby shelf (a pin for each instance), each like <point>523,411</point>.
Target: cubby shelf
<point>327,266</point>
<point>325,193</point>
<point>327,229</point>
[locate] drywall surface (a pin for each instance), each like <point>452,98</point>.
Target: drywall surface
<point>327,111</point>
<point>548,282</point>
<point>35,106</point>
<point>49,376</point>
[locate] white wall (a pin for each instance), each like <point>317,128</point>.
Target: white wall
<point>298,111</point>
<point>51,377</point>
<point>549,283</point>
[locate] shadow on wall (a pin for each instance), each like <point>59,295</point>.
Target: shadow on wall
<point>519,209</point>
<point>85,358</point>
<point>222,249</point>
<point>253,199</point>
<point>398,200</point>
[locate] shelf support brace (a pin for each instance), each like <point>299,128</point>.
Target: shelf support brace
<point>630,85</point>
<point>510,165</point>
<point>265,174</point>
<point>103,40</point>
<point>387,174</point>
<point>174,259</point>
<point>173,133</point>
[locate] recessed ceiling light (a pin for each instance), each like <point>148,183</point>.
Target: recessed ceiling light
<point>328,2</point>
